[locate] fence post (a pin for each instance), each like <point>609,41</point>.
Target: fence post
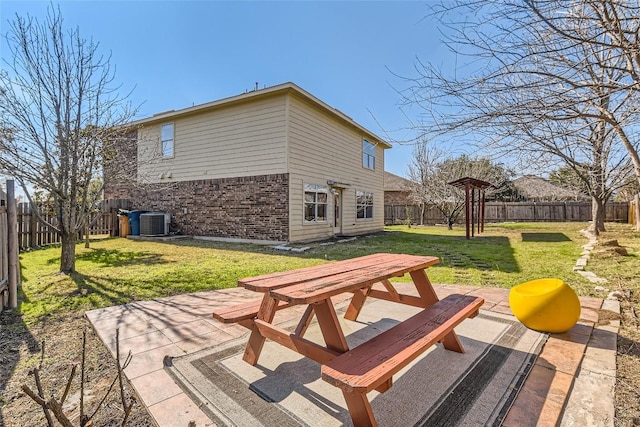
<point>12,235</point>
<point>33,226</point>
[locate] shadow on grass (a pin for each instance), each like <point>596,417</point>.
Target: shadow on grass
<point>115,258</point>
<point>545,237</point>
<point>482,252</point>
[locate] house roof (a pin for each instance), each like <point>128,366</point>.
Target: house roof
<point>537,188</point>
<point>395,183</point>
<point>259,94</point>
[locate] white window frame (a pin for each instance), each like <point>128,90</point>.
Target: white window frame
<point>368,155</point>
<point>364,205</point>
<point>167,145</point>
<point>315,189</point>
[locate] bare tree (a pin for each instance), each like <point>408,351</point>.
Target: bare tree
<point>61,117</point>
<point>554,82</point>
<point>431,171</point>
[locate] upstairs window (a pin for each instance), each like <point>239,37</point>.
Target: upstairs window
<point>368,155</point>
<point>315,203</point>
<point>364,205</point>
<point>166,140</point>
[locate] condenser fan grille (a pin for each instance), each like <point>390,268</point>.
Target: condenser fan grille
<point>154,224</point>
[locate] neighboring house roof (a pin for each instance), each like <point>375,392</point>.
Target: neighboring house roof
<point>537,188</point>
<point>258,94</point>
<point>395,183</point>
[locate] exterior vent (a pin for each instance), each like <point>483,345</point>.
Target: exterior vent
<point>154,224</point>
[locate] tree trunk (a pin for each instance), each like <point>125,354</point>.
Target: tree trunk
<point>637,215</point>
<point>86,233</point>
<point>597,214</point>
<point>68,257</point>
<point>450,222</point>
<point>422,209</point>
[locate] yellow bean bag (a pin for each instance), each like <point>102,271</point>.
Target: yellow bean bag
<point>546,305</point>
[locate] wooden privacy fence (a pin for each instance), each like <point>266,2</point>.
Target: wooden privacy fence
<point>35,232</point>
<point>4,257</point>
<point>513,211</point>
<point>9,264</point>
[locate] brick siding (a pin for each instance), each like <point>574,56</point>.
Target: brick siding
<point>253,207</point>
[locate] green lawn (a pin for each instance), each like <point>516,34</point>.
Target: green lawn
<point>116,271</point>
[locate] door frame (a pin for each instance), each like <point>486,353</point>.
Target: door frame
<point>337,211</point>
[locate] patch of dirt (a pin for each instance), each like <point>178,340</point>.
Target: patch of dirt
<point>21,350</point>
<point>611,251</point>
<point>628,360</point>
<point>606,316</point>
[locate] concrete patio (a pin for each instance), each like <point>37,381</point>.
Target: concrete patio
<point>571,384</point>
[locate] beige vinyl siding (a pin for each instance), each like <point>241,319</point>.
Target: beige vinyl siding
<point>230,141</point>
<point>322,148</point>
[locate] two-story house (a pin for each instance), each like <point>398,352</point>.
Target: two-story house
<point>275,164</point>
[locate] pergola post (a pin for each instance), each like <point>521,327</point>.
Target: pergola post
<point>470,185</point>
<point>466,207</point>
<point>482,212</point>
<point>473,203</point>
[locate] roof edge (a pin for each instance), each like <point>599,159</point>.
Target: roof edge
<point>258,93</point>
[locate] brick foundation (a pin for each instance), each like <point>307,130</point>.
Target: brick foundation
<point>253,207</point>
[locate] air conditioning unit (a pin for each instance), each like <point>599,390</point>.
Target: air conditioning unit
<point>154,224</point>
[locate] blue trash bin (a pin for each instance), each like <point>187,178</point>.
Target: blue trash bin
<point>134,221</point>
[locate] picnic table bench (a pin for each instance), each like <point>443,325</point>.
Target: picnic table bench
<point>370,365</point>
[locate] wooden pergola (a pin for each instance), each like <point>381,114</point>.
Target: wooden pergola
<point>471,185</point>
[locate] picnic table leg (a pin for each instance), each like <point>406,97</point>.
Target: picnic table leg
<point>304,323</point>
<point>357,302</point>
<point>330,326</point>
<point>428,296</point>
<point>256,341</point>
<point>359,409</point>
<point>452,342</point>
<point>424,287</point>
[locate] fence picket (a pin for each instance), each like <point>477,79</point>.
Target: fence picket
<point>514,211</point>
<point>34,232</point>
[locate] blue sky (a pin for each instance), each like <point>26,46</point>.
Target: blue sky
<point>175,54</point>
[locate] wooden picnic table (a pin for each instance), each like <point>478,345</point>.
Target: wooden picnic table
<point>374,362</point>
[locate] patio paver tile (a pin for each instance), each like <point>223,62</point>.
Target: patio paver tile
<point>165,321</point>
<point>580,333</point>
<point>457,289</point>
<point>200,342</point>
<point>184,331</point>
<point>592,401</point>
<point>155,387</point>
<point>140,343</point>
<point>561,355</point>
<point>503,309</point>
<point>590,302</point>
<point>548,384</point>
<point>236,331</point>
<point>150,360</point>
<point>493,295</point>
<point>127,329</point>
<point>177,411</point>
<point>600,356</point>
<point>541,399</point>
<point>538,412</point>
<point>589,314</point>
